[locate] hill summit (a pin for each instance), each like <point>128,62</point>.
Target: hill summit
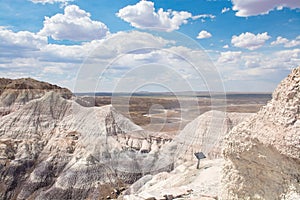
<point>14,93</point>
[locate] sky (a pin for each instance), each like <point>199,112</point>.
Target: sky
<point>163,45</point>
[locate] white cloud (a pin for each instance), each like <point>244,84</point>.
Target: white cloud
<point>279,8</point>
<point>64,53</point>
<point>226,46</point>
<point>247,8</point>
<point>135,40</point>
<point>280,40</point>
<point>293,43</point>
<point>256,71</point>
<point>229,57</point>
<point>287,43</point>
<point>103,50</point>
<point>53,70</point>
<point>143,15</point>
<point>253,60</point>
<point>203,16</point>
<point>19,43</point>
<point>204,34</point>
<point>62,2</point>
<point>281,60</point>
<point>224,10</point>
<point>75,24</point>
<point>50,1</point>
<point>26,54</point>
<point>249,40</point>
<point>290,57</point>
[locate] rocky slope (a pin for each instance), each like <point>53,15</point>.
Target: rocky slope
<point>206,134</point>
<point>263,153</point>
<point>184,182</point>
<point>14,93</point>
<point>53,148</point>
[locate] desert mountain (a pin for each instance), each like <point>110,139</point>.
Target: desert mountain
<point>14,93</point>
<point>53,148</point>
<point>263,153</point>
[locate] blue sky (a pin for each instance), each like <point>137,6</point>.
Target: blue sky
<point>238,45</point>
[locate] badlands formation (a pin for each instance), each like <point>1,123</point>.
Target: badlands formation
<point>16,93</point>
<point>260,158</point>
<point>53,148</point>
<point>206,134</point>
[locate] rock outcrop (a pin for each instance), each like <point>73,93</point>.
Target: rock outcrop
<point>184,182</point>
<point>14,93</point>
<point>204,134</point>
<point>263,153</point>
<point>53,148</point>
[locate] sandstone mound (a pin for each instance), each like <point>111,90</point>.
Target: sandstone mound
<point>206,133</point>
<point>15,93</point>
<point>263,153</point>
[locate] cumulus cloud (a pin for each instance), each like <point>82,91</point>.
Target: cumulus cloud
<point>287,43</point>
<point>252,70</point>
<point>31,55</point>
<point>19,43</point>
<point>280,40</point>
<point>75,24</point>
<point>246,8</point>
<point>104,49</point>
<point>143,16</point>
<point>249,40</point>
<point>292,57</point>
<point>203,34</point>
<point>224,10</point>
<point>229,57</point>
<point>28,54</point>
<point>277,60</point>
